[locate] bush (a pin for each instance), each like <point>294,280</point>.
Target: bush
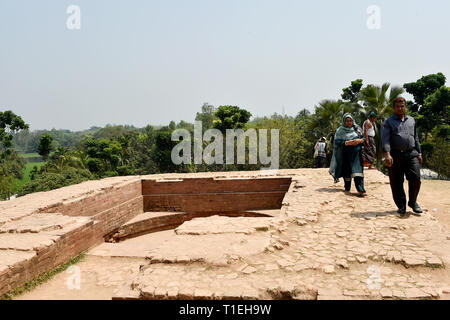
<point>49,180</point>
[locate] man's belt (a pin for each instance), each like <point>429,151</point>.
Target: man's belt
<point>402,151</point>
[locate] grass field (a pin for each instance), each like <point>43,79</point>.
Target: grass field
<point>31,162</point>
<point>30,155</point>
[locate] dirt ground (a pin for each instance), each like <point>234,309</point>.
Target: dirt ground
<point>435,196</point>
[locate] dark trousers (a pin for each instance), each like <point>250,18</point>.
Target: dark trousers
<point>405,164</point>
<point>359,183</point>
<point>321,162</point>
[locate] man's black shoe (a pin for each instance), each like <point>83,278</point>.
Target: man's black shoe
<point>417,209</point>
<point>401,210</point>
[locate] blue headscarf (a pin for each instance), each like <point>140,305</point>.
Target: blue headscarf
<point>353,153</point>
<point>347,133</point>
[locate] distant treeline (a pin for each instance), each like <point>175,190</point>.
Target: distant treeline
<point>27,141</point>
<point>73,157</point>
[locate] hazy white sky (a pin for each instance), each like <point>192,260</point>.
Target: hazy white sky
<point>142,62</point>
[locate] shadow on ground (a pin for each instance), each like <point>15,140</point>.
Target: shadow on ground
<point>329,190</point>
<point>372,215</point>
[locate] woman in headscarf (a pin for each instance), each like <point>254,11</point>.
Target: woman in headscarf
<point>346,161</point>
<point>369,150</point>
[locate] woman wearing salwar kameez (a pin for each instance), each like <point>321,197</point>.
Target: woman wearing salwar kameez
<point>346,161</point>
<point>369,149</point>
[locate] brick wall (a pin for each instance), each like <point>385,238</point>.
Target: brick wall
<point>158,221</point>
<point>208,194</point>
<point>69,245</point>
<point>109,209</point>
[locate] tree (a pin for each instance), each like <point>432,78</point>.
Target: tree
<point>207,116</point>
<point>351,97</point>
<point>424,87</point>
<point>351,93</point>
<point>113,131</point>
<point>230,117</point>
<point>437,151</point>
<point>303,114</point>
<point>45,146</point>
<point>9,125</point>
<point>172,125</point>
<point>64,158</point>
<point>11,164</point>
<point>435,116</point>
<point>162,153</point>
<point>378,100</point>
<point>47,181</point>
<point>142,147</point>
<point>421,90</point>
<point>104,156</point>
<point>435,110</point>
<point>327,118</point>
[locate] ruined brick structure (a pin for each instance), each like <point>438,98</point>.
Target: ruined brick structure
<point>41,231</point>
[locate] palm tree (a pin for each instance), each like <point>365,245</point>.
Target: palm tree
<point>378,100</point>
<point>65,158</point>
<point>327,117</point>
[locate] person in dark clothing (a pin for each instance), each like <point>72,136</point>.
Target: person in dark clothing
<point>346,161</point>
<point>403,156</point>
<point>321,153</point>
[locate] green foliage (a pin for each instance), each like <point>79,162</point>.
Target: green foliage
<point>31,169</point>
<point>125,150</point>
<point>142,146</point>
<point>296,151</point>
<point>427,151</point>
<point>439,157</point>
<point>424,87</point>
<point>206,116</point>
<point>327,118</point>
<point>104,156</point>
<point>437,106</point>
<point>11,164</point>
<point>113,132</point>
<point>10,123</point>
<point>431,108</point>
<point>230,117</point>
<point>47,181</point>
<point>11,168</point>
<point>351,93</point>
<point>377,99</point>
<point>45,146</point>
<point>27,142</point>
<point>163,150</point>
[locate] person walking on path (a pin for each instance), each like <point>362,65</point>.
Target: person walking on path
<point>369,150</point>
<point>320,153</point>
<point>346,161</point>
<point>403,156</point>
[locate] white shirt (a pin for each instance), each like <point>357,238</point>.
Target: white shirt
<point>371,130</point>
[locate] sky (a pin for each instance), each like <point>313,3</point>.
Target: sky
<point>140,62</point>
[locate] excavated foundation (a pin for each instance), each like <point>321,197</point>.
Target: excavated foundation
<point>169,203</point>
<point>41,231</point>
